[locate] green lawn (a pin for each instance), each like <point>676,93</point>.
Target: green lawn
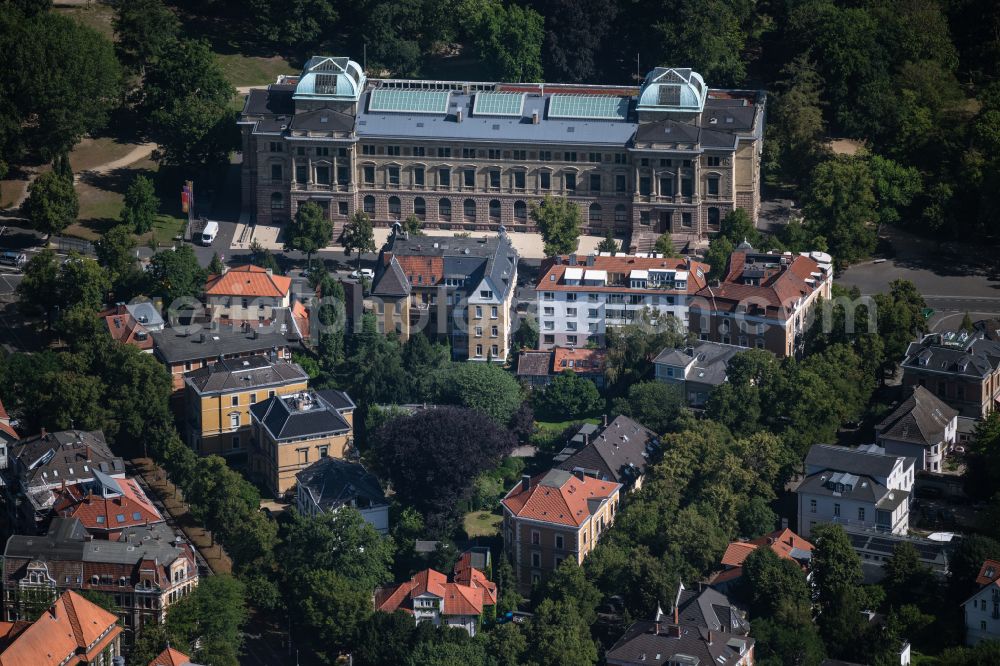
<point>481,523</point>
<point>242,70</point>
<point>96,15</point>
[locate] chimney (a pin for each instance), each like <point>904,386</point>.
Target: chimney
<point>605,420</point>
<point>710,635</point>
<point>534,117</point>
<point>225,269</point>
<point>458,116</point>
<point>586,440</point>
<point>44,433</point>
<point>88,452</point>
<point>677,617</point>
<point>525,482</point>
<point>579,473</point>
<point>269,271</point>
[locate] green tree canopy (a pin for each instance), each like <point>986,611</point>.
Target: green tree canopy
<point>186,100</point>
<point>569,396</point>
<point>359,235</point>
<point>141,204</point>
<point>144,29</point>
<point>485,387</point>
<point>310,231</point>
<point>558,220</point>
<point>174,274</point>
<point>52,204</point>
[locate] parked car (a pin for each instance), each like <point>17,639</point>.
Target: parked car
<point>363,273</point>
<point>13,259</point>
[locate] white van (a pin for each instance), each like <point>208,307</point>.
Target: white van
<point>209,233</point>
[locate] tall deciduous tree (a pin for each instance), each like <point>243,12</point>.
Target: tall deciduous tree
<point>66,81</point>
<point>608,243</point>
<point>141,204</point>
<point>443,448</point>
<point>310,231</point>
<point>512,35</point>
<point>208,622</point>
<point>558,220</point>
<point>569,396</point>
<point>174,274</point>
<point>52,204</point>
<point>359,235</point>
<point>574,35</point>
<point>840,205</point>
<point>559,636</point>
<point>143,30</point>
<point>484,387</point>
<point>665,245</point>
<point>187,101</point>
<point>116,253</point>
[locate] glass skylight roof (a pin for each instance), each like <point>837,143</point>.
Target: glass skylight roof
<point>605,107</point>
<point>498,104</point>
<point>409,101</point>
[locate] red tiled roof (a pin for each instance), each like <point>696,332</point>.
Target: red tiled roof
<point>69,627</point>
<point>781,542</point>
<point>100,514</point>
<point>465,595</point>
<point>420,270</point>
<point>551,273</point>
<point>988,573</point>
<point>779,288</point>
<point>583,360</point>
<point>3,413</point>
<point>301,316</point>
<point>170,657</point>
<point>248,281</point>
<point>558,497</point>
<point>123,327</point>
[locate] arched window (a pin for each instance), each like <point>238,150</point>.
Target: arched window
<point>369,205</point>
<point>444,209</point>
<point>595,213</point>
<point>394,206</point>
<point>494,209</point>
<point>277,201</point>
<point>713,217</point>
<point>621,213</point>
<point>520,210</point>
<point>420,207</point>
<point>469,207</point>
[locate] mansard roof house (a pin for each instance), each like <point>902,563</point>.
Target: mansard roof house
<point>617,451</point>
<point>702,628</point>
<point>922,426</point>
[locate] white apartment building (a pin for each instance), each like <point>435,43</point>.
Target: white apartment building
<point>862,487</point>
<point>579,298</point>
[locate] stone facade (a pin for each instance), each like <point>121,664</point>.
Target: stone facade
<point>648,167</point>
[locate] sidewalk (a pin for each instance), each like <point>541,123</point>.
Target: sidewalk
<point>528,246</point>
<point>172,499</point>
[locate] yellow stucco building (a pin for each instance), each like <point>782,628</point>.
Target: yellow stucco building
<point>218,399</point>
<point>290,432</point>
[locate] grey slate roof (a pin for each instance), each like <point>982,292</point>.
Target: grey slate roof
<point>921,419</point>
<point>867,461</point>
<point>322,120</point>
<point>233,374</point>
<point>641,644</point>
<point>955,353</point>
<point>275,99</point>
<point>307,414</point>
<point>172,346</point>
<point>863,489</point>
<point>390,280</point>
<point>493,257</point>
<point>616,453</point>
<point>534,363</point>
<point>76,455</point>
<point>710,360</point>
<point>491,128</point>
<point>332,483</point>
<point>67,540</point>
<point>710,609</point>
